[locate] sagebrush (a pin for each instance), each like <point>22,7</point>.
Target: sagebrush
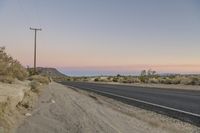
<point>10,68</point>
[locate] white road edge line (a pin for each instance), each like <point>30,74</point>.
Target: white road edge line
<point>153,104</point>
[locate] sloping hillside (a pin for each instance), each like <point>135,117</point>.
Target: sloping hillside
<point>52,72</point>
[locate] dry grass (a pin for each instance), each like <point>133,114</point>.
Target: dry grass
<point>36,81</point>
<point>40,79</point>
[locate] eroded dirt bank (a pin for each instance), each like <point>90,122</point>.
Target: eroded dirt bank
<point>16,101</point>
<point>62,110</point>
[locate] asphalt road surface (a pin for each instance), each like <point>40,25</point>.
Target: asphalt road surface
<point>169,101</point>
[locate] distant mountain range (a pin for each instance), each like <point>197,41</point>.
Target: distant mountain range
<point>52,72</point>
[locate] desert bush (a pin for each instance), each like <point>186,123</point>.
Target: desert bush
<point>115,79</point>
<point>146,75</point>
<point>61,79</point>
<point>167,81</point>
<point>10,68</point>
<point>143,79</point>
<point>136,80</point>
<point>18,71</point>
<point>185,80</point>
<point>160,80</point>
<point>143,76</point>
<point>40,79</point>
<point>31,71</point>
<point>97,79</point>
<point>130,79</point>
<point>34,86</point>
<point>118,75</point>
<point>194,81</point>
<point>176,80</point>
<point>109,79</point>
<point>153,80</point>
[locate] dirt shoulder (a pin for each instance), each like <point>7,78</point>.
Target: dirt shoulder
<point>61,109</point>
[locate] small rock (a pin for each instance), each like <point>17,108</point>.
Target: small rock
<point>27,114</point>
<point>52,101</point>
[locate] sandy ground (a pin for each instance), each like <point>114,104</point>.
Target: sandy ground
<point>63,110</point>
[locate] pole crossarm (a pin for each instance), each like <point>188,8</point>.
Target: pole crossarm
<point>35,29</point>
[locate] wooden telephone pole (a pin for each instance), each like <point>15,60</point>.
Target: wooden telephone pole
<point>35,29</point>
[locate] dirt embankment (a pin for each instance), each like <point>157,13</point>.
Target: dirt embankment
<point>15,101</point>
<point>10,96</point>
<point>62,110</point>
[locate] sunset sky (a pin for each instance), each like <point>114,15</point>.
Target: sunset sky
<point>98,37</point>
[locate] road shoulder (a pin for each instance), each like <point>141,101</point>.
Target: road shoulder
<point>61,109</point>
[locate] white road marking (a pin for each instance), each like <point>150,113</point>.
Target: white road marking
<point>145,102</point>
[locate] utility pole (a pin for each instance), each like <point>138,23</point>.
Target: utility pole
<point>35,29</point>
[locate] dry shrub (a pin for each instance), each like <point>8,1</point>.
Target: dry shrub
<point>153,80</point>
<point>109,79</point>
<point>144,79</point>
<point>130,79</point>
<point>165,80</point>
<point>136,80</point>
<point>176,80</point>
<point>35,86</point>
<point>10,68</point>
<point>97,79</point>
<point>194,81</point>
<point>115,79</point>
<point>18,71</point>
<point>61,79</point>
<point>40,79</point>
<point>185,80</point>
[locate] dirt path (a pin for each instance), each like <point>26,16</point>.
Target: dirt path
<point>63,110</point>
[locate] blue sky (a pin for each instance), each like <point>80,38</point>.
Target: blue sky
<point>107,36</point>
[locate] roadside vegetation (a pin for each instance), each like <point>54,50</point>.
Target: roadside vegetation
<point>145,77</point>
<point>10,68</point>
<point>14,77</point>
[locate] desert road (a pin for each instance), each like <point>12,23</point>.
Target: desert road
<point>180,104</point>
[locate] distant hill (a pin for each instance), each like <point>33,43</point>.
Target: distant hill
<point>52,72</point>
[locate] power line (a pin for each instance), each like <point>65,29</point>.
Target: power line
<point>27,14</point>
<point>37,13</point>
<point>24,13</point>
